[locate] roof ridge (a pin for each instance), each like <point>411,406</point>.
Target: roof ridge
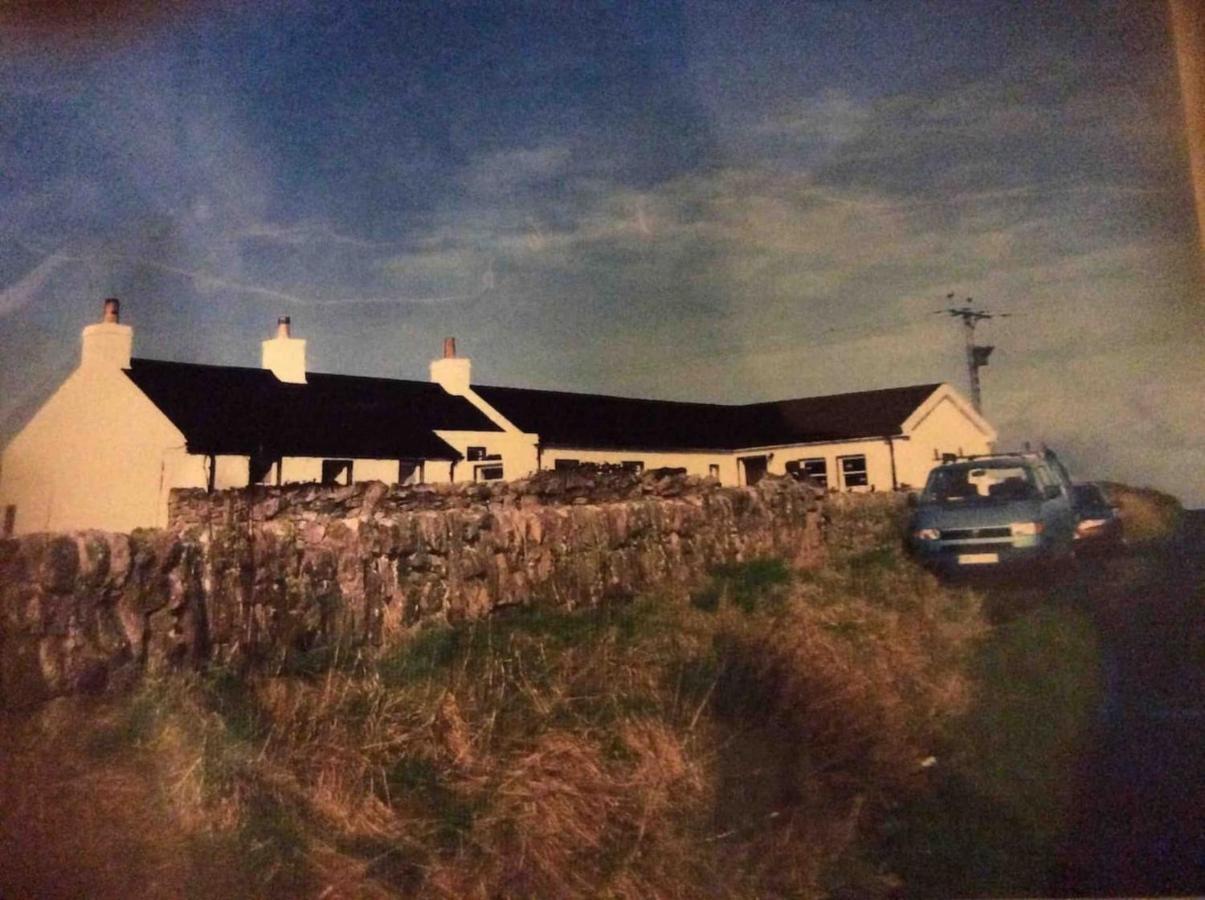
<point>728,406</point>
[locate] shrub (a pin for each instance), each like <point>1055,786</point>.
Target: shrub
<point>1147,516</point>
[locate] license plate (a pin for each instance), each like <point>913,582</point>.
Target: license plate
<point>978,559</point>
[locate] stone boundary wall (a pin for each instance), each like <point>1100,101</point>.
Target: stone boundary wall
<point>264,577</point>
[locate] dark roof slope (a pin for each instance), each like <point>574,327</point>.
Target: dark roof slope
<point>236,410</point>
<point>595,420</point>
<point>837,417</point>
<point>591,420</point>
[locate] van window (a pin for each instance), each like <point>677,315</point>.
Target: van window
<point>972,484</point>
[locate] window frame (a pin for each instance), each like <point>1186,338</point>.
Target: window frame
<point>801,466</point>
<point>864,472</point>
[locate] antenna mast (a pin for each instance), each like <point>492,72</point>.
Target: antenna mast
<point>977,354</point>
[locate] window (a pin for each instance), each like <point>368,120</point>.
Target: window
<point>633,465</point>
<point>564,465</point>
<point>474,453</point>
<point>336,471</point>
<point>714,471</point>
<point>853,471</point>
<point>487,473</point>
<point>815,469</point>
<point>10,521</point>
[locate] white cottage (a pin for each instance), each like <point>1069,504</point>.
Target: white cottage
<point>107,447</point>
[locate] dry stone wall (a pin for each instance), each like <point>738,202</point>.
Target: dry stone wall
<point>263,577</point>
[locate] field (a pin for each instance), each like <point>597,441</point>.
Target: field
<point>854,730</point>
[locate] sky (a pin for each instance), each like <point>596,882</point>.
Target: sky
<point>724,202</point>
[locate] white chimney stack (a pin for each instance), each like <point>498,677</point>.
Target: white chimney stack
<point>108,342</point>
<point>284,354</point>
<point>452,373</point>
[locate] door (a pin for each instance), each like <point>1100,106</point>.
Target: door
<point>754,468</point>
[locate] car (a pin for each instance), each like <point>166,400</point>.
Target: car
<point>994,512</point>
<point>1098,526</point>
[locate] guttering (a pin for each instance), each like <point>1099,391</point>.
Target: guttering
<point>745,450</point>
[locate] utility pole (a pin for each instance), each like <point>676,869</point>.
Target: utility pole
<point>977,354</point>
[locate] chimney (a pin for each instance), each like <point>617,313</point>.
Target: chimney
<point>452,372</point>
<point>284,354</point>
<point>107,342</point>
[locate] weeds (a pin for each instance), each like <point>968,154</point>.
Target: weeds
<point>731,746</point>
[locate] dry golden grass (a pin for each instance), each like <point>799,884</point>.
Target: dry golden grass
<point>1147,516</point>
<point>732,748</point>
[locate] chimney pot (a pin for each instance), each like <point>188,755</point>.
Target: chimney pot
<point>284,327</point>
<point>449,348</point>
<point>112,311</point>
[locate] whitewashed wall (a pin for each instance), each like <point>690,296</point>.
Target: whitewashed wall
<point>875,451</point>
<point>946,423</point>
<point>693,463</point>
<point>98,454</point>
<point>518,451</point>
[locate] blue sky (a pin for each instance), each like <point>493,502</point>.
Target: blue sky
<point>711,201</point>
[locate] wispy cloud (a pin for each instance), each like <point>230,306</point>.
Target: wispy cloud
<point>26,290</point>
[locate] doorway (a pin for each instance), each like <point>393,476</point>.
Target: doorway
<point>754,468</point>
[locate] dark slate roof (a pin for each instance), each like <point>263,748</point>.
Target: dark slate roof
<point>837,417</point>
<point>591,420</point>
<point>236,410</point>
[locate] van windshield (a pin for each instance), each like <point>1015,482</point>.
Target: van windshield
<point>979,484</point>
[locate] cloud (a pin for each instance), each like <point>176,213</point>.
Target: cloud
<point>502,172</point>
<point>28,288</point>
<point>304,234</point>
<point>23,292</point>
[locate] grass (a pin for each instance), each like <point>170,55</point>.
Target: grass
<point>854,730</point>
<point>1000,800</point>
<point>734,745</point>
